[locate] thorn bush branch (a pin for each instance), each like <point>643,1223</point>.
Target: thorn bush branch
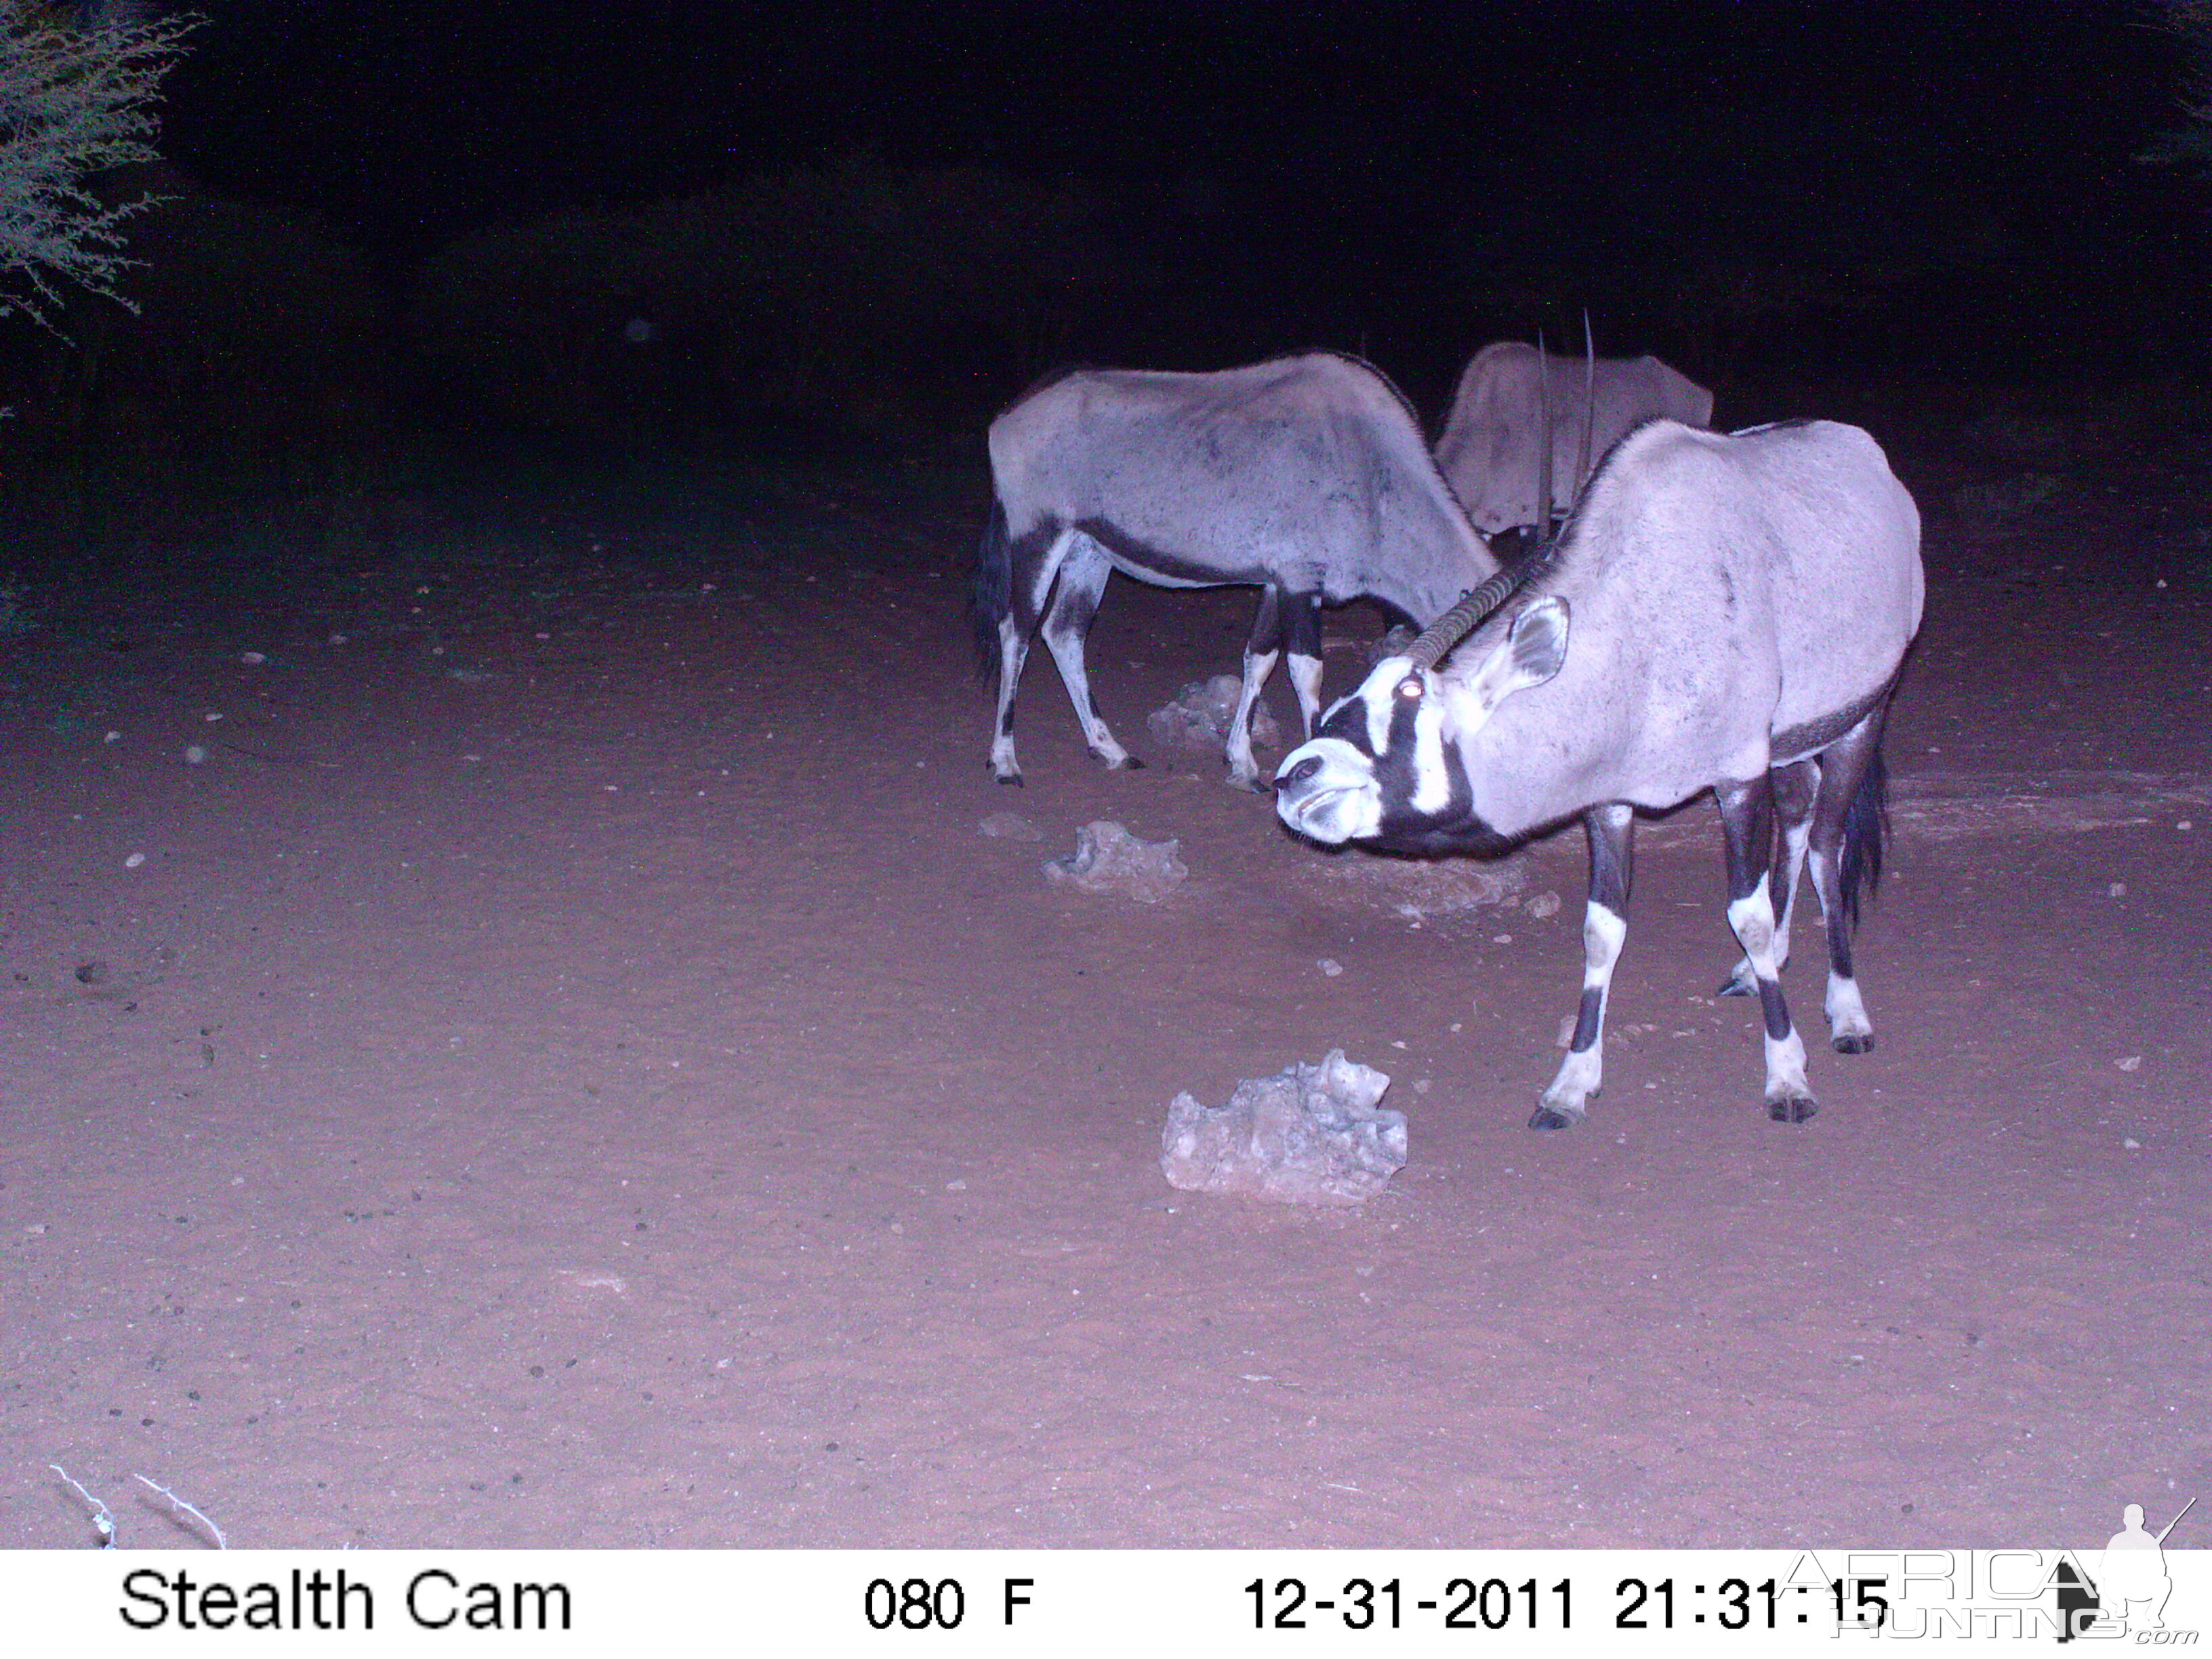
<point>74,103</point>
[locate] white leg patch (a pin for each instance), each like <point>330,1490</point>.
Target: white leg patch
<point>1785,1068</point>
<point>1580,1077</point>
<point>1850,1030</point>
<point>1243,770</point>
<point>1012,651</point>
<point>1305,680</point>
<point>1752,917</point>
<point>1793,856</point>
<point>1067,650</point>
<point>1582,1074</point>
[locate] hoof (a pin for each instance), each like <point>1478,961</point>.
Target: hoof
<point>1733,987</point>
<point>1850,1044</point>
<point>1792,1111</point>
<point>1254,784</point>
<point>1012,783</point>
<point>1551,1117</point>
<point>1127,763</point>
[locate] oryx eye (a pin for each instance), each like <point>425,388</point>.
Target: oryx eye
<point>1411,687</point>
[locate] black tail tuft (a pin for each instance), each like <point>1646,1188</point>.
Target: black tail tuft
<point>1866,827</point>
<point>994,595</point>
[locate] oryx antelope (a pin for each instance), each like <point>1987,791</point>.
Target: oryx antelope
<point>1306,476</point>
<point>1511,394</point>
<point>1723,612</point>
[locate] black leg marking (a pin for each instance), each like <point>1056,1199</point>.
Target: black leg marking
<point>1589,1020</point>
<point>1747,823</point>
<point>1845,846</point>
<point>1610,832</point>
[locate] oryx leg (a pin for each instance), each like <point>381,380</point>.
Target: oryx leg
<point>1747,821</point>
<point>1036,559</point>
<point>1795,788</point>
<point>1612,832</point>
<point>1842,772</point>
<point>1083,574</point>
<point>1260,652</point>
<point>1301,638</point>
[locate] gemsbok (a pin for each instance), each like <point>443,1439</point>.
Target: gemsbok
<point>1512,395</point>
<point>1720,611</point>
<point>1306,476</point>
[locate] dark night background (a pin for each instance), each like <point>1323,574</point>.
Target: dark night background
<point>870,226</point>
<point>527,1020</point>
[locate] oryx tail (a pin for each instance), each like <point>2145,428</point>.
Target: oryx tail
<point>1866,831</point>
<point>993,598</point>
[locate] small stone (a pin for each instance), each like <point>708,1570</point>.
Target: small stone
<point>2130,1144</point>
<point>337,639</point>
<point>2118,890</point>
<point>960,1186</point>
<point>1544,904</point>
<point>1009,826</point>
<point>252,658</point>
<point>1330,967</point>
<point>2185,825</point>
<point>1310,1134</point>
<point>1108,859</point>
<point>2132,1063</point>
<point>1201,715</point>
<point>194,754</point>
<point>134,861</point>
<point>1501,938</point>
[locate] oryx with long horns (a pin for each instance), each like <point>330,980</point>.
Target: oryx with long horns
<point>1508,419</point>
<point>1721,613</point>
<point>1306,476</point>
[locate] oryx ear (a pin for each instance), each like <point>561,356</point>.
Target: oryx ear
<point>1538,642</point>
<point>1530,653</point>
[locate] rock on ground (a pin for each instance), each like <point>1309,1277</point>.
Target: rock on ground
<point>1009,826</point>
<point>1198,717</point>
<point>1423,889</point>
<point>1108,859</point>
<point>1310,1134</point>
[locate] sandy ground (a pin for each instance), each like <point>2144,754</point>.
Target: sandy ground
<point>567,1070</point>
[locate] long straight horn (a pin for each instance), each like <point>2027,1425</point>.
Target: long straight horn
<point>1590,409</point>
<point>1544,449</point>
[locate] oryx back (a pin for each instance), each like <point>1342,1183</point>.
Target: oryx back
<point>1306,476</point>
<point>1309,472</point>
<point>1491,448</point>
<point>1737,602</point>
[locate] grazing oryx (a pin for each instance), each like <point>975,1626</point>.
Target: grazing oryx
<point>1509,397</point>
<point>1305,476</point>
<point>1723,612</point>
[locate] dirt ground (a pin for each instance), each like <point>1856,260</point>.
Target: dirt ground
<point>567,1070</point>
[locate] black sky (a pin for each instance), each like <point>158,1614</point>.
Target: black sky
<point>403,120</point>
<point>1339,168</point>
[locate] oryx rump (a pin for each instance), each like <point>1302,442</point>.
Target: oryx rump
<point>1306,476</point>
<point>1511,394</point>
<point>1723,612</point>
